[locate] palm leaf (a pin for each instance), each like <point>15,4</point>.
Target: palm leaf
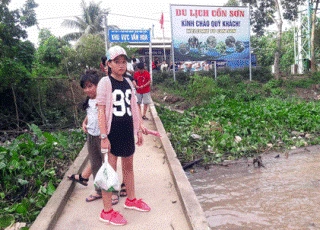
<point>91,21</point>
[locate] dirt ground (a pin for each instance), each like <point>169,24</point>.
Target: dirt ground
<point>170,100</point>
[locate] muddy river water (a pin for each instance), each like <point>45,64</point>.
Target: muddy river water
<point>285,194</point>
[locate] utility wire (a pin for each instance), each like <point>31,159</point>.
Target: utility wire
<point>122,15</point>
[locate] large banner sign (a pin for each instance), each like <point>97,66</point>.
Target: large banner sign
<point>207,33</point>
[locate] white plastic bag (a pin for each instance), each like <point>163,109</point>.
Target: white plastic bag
<point>107,179</point>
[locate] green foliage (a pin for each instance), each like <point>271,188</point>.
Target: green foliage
<point>287,53</point>
<point>16,56</point>
<point>50,51</point>
<point>12,26</point>
<point>224,81</point>
<point>258,123</point>
<point>89,23</point>
<point>46,102</point>
<point>89,50</point>
<point>264,47</point>
<point>273,84</point>
<point>182,78</point>
<point>24,54</point>
<point>201,89</point>
<point>29,172</point>
<point>11,73</point>
<point>86,54</point>
<point>70,64</point>
<point>301,83</point>
<point>160,77</point>
<point>264,13</point>
<point>28,14</point>
<point>232,3</point>
<point>264,116</point>
<point>261,74</point>
<point>41,70</point>
<point>316,77</point>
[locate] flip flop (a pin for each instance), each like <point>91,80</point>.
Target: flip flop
<point>93,197</point>
<point>123,191</point>
<point>115,201</point>
<point>81,180</point>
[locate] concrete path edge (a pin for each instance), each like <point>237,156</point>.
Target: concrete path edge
<point>187,196</point>
<point>49,215</point>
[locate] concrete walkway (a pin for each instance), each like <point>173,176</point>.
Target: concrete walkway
<point>160,181</point>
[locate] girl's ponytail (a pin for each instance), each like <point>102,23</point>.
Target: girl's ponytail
<point>85,104</point>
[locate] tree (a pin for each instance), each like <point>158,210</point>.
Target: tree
<point>50,48</point>
<point>292,12</point>
<point>86,54</point>
<point>317,40</point>
<point>16,56</point>
<point>232,3</point>
<point>287,57</point>
<point>267,12</point>
<point>91,22</point>
<point>89,51</point>
<point>264,47</point>
<point>313,36</point>
<point>25,51</point>
<point>13,25</point>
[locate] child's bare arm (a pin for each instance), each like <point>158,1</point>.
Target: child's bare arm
<point>84,125</point>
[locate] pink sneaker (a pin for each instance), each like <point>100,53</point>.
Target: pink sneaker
<point>137,205</point>
<point>113,217</point>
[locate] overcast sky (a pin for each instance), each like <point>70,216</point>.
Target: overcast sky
<point>126,15</point>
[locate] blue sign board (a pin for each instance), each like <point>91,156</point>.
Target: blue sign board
<point>129,36</point>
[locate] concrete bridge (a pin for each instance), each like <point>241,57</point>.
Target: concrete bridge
<point>160,181</point>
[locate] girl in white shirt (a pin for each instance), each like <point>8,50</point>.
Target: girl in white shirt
<point>90,125</point>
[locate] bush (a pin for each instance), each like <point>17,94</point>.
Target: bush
<point>316,77</point>
<point>160,77</point>
<point>32,166</point>
<point>261,74</point>
<point>49,103</point>
<point>224,81</point>
<point>201,89</point>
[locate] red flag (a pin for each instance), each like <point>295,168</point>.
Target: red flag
<point>161,21</point>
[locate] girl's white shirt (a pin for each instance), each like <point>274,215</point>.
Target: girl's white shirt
<point>92,113</point>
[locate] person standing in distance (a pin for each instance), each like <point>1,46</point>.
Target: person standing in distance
<point>142,81</point>
<point>103,66</point>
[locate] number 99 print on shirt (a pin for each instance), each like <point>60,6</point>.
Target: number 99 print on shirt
<point>121,95</point>
<point>122,122</point>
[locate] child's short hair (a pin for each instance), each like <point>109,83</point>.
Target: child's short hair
<point>92,76</point>
<point>140,65</point>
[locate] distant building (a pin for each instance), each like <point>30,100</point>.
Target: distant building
<point>158,45</point>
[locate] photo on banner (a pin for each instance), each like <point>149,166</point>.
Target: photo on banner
<point>211,34</point>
